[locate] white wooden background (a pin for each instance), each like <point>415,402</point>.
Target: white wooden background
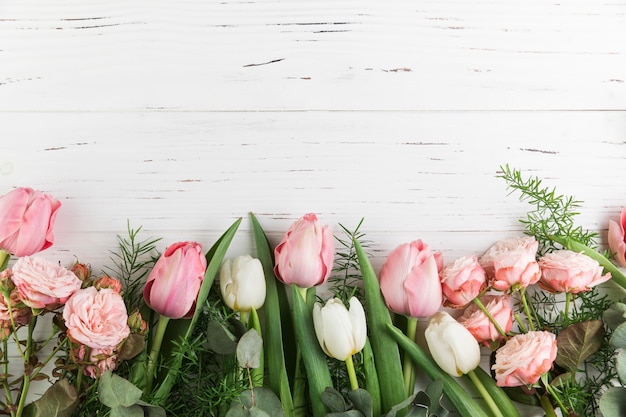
<point>183,116</point>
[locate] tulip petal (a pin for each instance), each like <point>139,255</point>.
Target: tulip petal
<point>615,240</point>
<point>423,289</point>
<point>359,324</point>
<point>337,330</point>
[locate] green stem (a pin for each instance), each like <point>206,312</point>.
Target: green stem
<point>485,394</point>
<point>4,259</point>
<point>254,323</point>
<point>520,323</point>
<point>5,383</point>
<point>568,300</point>
<point>153,358</point>
<point>527,310</point>
<point>556,397</point>
<point>354,383</point>
<point>25,387</point>
<point>547,406</point>
<point>408,365</point>
<point>489,316</point>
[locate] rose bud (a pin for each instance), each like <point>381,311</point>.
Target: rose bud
<point>242,283</point>
<point>340,332</point>
<point>524,358</point>
<point>409,280</point>
<point>451,345</point>
<point>462,281</point>
<point>26,220</point>
<point>511,263</point>
<point>571,272</point>
<point>82,271</point>
<point>174,282</point>
<point>617,239</point>
<point>306,253</point>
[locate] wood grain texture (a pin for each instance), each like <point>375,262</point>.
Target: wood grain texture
<point>182,116</point>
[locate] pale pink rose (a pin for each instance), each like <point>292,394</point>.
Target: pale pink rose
<point>511,263</point>
<point>21,313</point>
<point>462,281</point>
<point>102,359</point>
<point>96,318</point>
<point>568,271</point>
<point>409,280</point>
<point>617,238</point>
<point>480,326</point>
<point>26,220</point>
<point>42,283</point>
<point>524,358</point>
<point>306,253</point>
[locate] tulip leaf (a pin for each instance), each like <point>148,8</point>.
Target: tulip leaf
<point>500,397</point>
<point>371,377</point>
<point>614,315</point>
<point>275,341</point>
<point>577,342</point>
<point>221,340</point>
<point>249,349</point>
<point>613,402</point>
<point>385,349</point>
<point>59,400</point>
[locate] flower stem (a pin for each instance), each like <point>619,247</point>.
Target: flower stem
<point>527,310</point>
<point>547,406</point>
<point>489,316</point>
<point>568,300</point>
<point>154,352</point>
<point>5,383</point>
<point>408,365</point>
<point>485,394</point>
<point>354,383</point>
<point>25,387</point>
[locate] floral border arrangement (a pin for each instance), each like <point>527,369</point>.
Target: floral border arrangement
<point>191,332</point>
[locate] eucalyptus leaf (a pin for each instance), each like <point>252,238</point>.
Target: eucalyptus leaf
<point>115,391</point>
<point>333,399</point>
<point>132,411</point>
<point>613,402</point>
<point>620,366</point>
<point>151,410</point>
<point>59,400</point>
<point>434,390</point>
<point>349,413</point>
<point>220,340</point>
<point>257,412</point>
<point>614,315</point>
<point>577,342</point>
<point>401,406</point>
<point>264,399</point>
<point>618,337</point>
<point>362,401</point>
<point>249,349</point>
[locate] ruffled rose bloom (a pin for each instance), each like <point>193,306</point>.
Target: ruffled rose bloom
<point>102,359</point>
<point>480,326</point>
<point>96,318</point>
<point>568,271</point>
<point>511,263</point>
<point>462,281</point>
<point>617,238</point>
<point>524,358</point>
<point>409,280</point>
<point>20,312</point>
<point>42,284</point>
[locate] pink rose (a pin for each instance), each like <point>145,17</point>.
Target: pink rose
<point>480,326</point>
<point>511,263</point>
<point>96,318</point>
<point>41,283</point>
<point>462,281</point>
<point>174,282</point>
<point>107,282</point>
<point>409,280</point>
<point>568,271</point>
<point>617,239</point>
<point>102,359</point>
<point>524,358</point>
<point>305,255</point>
<point>21,314</point>
<point>26,220</point>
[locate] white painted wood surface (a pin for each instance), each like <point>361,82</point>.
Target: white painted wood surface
<point>183,116</point>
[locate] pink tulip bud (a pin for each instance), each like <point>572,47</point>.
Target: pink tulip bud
<point>305,255</point>
<point>409,280</point>
<point>173,285</point>
<point>617,239</point>
<point>26,220</point>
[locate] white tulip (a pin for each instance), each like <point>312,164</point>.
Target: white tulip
<point>242,283</point>
<point>451,345</point>
<point>340,332</point>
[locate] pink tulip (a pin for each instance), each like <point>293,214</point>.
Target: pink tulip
<point>306,253</point>
<point>174,282</point>
<point>524,358</point>
<point>571,272</point>
<point>409,280</point>
<point>511,263</point>
<point>462,281</point>
<point>617,239</point>
<point>480,326</point>
<point>26,220</point>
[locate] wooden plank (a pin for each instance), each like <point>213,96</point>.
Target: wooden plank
<point>328,55</point>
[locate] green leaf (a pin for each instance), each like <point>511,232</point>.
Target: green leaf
<point>362,401</point>
<point>265,403</point>
<point>333,400</point>
<point>614,315</point>
<point>618,337</point>
<point>372,385</point>
<point>620,366</point>
<point>349,413</point>
<point>60,400</point>
<point>133,346</point>
<point>151,410</point>
<point>385,349</point>
<point>434,390</point>
<point>275,341</point>
<point>613,402</point>
<point>249,349</point>
<point>221,340</point>
<point>498,394</point>
<point>577,342</point>
<point>401,406</point>
<point>132,411</point>
<point>115,391</point>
